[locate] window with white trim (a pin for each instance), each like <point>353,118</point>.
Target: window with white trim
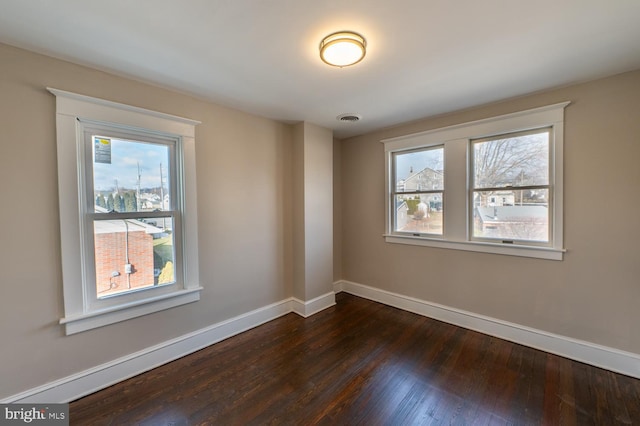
<point>128,220</point>
<point>495,185</point>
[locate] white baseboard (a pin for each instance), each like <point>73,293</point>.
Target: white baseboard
<point>102,376</point>
<point>313,306</point>
<point>91,380</point>
<point>590,353</point>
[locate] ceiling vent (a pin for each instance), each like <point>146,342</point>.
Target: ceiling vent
<point>349,117</point>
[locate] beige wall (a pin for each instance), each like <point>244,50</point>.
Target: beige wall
<point>243,177</point>
<point>337,210</point>
<point>312,211</point>
<point>592,295</point>
<point>318,205</point>
<point>297,184</point>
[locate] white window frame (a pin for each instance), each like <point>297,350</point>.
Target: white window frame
<point>457,145</point>
<point>73,113</point>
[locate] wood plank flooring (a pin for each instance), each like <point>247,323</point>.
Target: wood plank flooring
<point>364,363</point>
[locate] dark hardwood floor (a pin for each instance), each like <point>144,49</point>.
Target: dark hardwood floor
<point>364,363</point>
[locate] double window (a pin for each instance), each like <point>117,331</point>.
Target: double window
<point>126,180</point>
<point>493,185</point>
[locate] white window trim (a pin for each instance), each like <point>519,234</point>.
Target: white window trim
<point>70,107</point>
<point>456,140</point>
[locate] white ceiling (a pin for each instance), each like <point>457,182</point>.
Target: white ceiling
<point>424,57</point>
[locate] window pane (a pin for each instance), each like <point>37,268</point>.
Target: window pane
<point>512,215</point>
<point>419,170</point>
<point>520,160</point>
<point>419,213</point>
<point>133,254</point>
<point>130,176</point>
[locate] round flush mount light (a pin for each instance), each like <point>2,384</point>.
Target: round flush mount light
<point>343,49</point>
<point>349,117</point>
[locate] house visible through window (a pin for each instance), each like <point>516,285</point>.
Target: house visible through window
<point>493,185</point>
<point>419,189</point>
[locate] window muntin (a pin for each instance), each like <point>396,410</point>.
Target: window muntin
<point>418,191</point>
<point>510,194</point>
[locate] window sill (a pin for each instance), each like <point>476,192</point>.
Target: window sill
<point>87,321</point>
<point>481,247</point>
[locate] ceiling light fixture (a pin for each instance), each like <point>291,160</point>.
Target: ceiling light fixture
<point>342,49</point>
<point>349,117</point>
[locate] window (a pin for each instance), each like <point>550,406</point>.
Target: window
<point>128,218</point>
<point>511,167</point>
<point>131,211</point>
<point>418,191</point>
<point>493,185</point>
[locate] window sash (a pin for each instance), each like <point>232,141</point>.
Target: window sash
<point>512,227</point>
<point>472,165</point>
<point>93,128</point>
<point>421,231</point>
<point>394,167</point>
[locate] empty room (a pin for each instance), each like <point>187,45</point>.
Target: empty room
<point>295,212</point>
